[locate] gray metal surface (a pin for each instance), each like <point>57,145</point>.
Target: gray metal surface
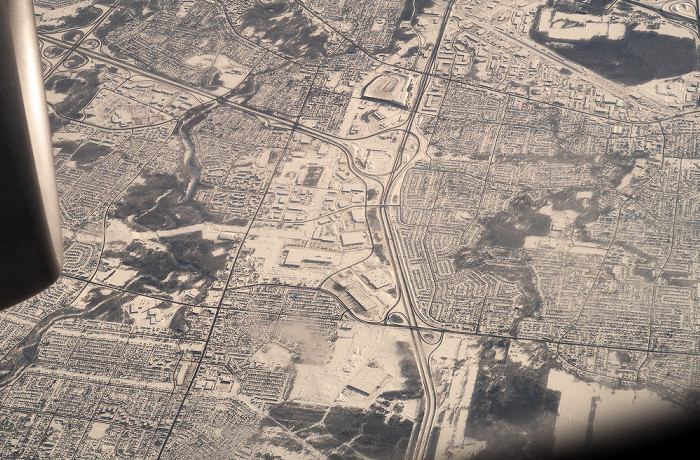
<point>30,232</point>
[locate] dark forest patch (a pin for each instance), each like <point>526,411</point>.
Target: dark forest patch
<point>396,318</point>
<point>179,321</point>
<point>401,395</point>
<point>613,168</point>
<point>126,12</point>
<point>57,123</point>
<point>366,114</point>
<point>508,229</point>
<point>409,369</point>
<point>567,199</point>
<point>595,7</point>
<point>295,34</point>
<point>313,175</point>
<point>90,152</point>
<point>297,417</point>
<point>150,263</point>
<point>109,308</point>
<point>117,20</point>
<point>79,90</point>
<point>52,52</point>
<point>82,17</point>
<point>158,204</point>
<point>384,439</point>
<point>638,57</point>
<point>409,12</point>
<point>194,252</point>
<point>403,34</point>
<point>601,4</point>
<point>140,9</point>
<point>66,146</point>
<point>511,408</point>
<point>184,254</point>
<point>74,61</point>
<point>368,432</point>
<point>72,36</point>
<point>588,209</point>
<point>247,88</point>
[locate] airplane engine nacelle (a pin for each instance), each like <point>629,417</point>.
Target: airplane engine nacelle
<point>31,248</point>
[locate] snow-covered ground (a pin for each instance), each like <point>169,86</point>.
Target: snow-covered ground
<point>613,409</point>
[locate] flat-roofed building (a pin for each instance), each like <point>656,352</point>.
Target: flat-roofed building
<point>356,238</point>
<point>296,256</point>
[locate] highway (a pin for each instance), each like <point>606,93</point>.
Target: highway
<point>416,321</point>
<point>423,438</point>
